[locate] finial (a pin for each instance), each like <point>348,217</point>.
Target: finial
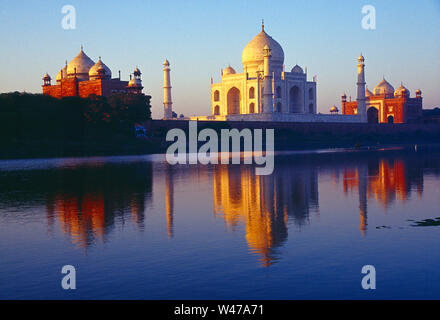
<point>81,47</point>
<point>262,24</point>
<point>99,57</point>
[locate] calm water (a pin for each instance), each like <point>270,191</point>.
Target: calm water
<point>137,228</point>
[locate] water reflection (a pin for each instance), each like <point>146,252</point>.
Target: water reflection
<point>264,203</point>
<point>86,201</point>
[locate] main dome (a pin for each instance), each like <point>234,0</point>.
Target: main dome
<point>253,55</point>
<point>82,63</point>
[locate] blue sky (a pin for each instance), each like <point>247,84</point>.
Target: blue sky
<point>201,37</point>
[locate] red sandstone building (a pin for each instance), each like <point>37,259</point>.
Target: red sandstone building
<point>83,77</point>
<point>386,105</point>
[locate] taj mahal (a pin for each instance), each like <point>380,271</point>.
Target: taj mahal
<point>265,91</point>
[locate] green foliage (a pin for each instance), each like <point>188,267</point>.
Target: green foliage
<point>26,116</point>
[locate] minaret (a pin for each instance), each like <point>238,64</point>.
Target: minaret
<point>267,94</point>
<point>167,103</point>
<point>361,106</point>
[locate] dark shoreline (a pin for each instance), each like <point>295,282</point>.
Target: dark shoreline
<point>288,136</point>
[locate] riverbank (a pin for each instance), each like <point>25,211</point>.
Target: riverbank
<point>288,136</point>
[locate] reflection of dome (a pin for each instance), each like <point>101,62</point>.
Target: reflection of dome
<point>82,64</point>
<point>253,55</point>
<point>368,93</point>
<point>297,69</point>
<point>400,91</point>
<point>384,87</point>
<point>229,70</point>
<point>94,70</point>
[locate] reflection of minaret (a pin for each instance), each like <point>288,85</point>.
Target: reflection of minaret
<point>362,175</point>
<point>169,199</point>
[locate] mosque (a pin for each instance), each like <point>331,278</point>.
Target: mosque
<point>386,105</point>
<point>83,77</point>
<point>265,91</point>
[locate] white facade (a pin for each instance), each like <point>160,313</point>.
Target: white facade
<point>244,93</point>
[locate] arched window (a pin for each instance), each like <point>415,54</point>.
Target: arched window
<point>311,94</point>
<point>233,106</point>
<point>390,119</point>
<point>278,95</point>
<point>279,107</point>
<point>217,110</point>
<point>373,115</point>
<point>252,108</point>
<point>295,100</point>
<point>251,93</point>
<point>216,95</point>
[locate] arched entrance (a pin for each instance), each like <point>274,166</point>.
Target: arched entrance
<point>295,100</point>
<point>373,115</point>
<point>233,101</point>
<point>217,110</point>
<point>252,108</point>
<point>390,119</point>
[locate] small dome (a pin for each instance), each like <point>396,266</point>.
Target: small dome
<point>400,91</point>
<point>138,72</point>
<point>47,77</point>
<point>94,70</point>
<point>229,70</point>
<point>135,83</point>
<point>82,64</point>
<point>368,93</point>
<point>62,73</point>
<point>297,69</point>
<point>418,92</point>
<point>166,63</point>
<point>361,58</point>
<point>384,87</point>
<point>334,109</point>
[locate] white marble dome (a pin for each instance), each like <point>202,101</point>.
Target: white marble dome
<point>384,87</point>
<point>82,63</point>
<point>253,54</point>
<point>93,72</point>
<point>229,70</point>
